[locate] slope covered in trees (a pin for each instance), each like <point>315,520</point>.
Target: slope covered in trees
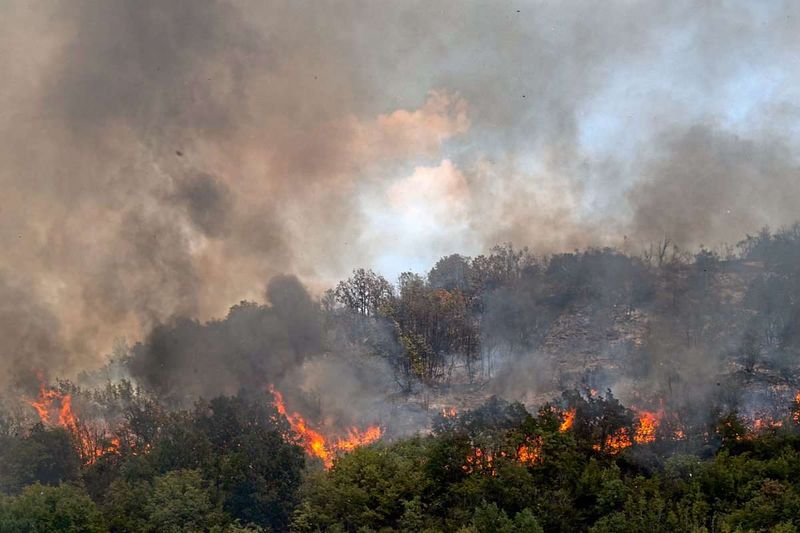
<point>667,323</point>
<point>181,433</point>
<point>230,465</point>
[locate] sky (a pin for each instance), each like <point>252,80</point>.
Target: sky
<point>164,159</point>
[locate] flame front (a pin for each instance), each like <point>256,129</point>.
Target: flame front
<point>356,438</point>
<point>315,443</point>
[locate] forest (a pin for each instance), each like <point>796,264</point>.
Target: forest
<point>597,390</point>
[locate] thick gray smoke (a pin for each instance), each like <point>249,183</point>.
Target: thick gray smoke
<point>31,348</point>
<point>285,344</point>
<point>710,184</point>
<point>162,159</point>
<point>253,347</point>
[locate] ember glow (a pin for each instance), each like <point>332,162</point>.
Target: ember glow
<point>530,452</point>
<point>764,424</point>
<point>479,461</point>
<point>449,412</point>
<point>318,445</point>
<point>796,410</point>
<point>615,442</point>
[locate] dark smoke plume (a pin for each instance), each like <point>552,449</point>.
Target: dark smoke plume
<point>253,347</point>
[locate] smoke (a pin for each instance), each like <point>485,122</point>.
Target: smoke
<point>321,370</point>
<point>710,184</point>
<point>31,337</point>
<point>253,347</point>
<point>207,203</point>
<point>162,159</point>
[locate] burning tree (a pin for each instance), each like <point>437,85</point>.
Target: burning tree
<point>55,407</point>
<point>315,443</point>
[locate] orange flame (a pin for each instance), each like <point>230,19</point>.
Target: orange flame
<point>356,438</point>
<point>315,443</point>
<point>45,407</point>
<point>90,446</point>
<point>312,441</point>
<point>646,427</point>
<point>530,452</point>
<point>796,412</point>
<point>615,443</point>
<point>481,461</point>
<point>763,424</point>
<point>569,419</point>
<point>618,440</point>
<point>449,412</point>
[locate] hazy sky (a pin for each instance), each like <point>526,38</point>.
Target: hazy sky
<point>168,157</point>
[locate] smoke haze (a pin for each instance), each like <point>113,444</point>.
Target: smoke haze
<point>164,159</point>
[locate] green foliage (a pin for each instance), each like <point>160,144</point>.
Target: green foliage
<point>259,478</point>
<point>44,509</point>
<point>372,487</point>
<point>489,518</point>
<point>428,484</point>
<point>225,467</point>
<point>44,456</point>
<point>180,502</point>
<point>124,505</point>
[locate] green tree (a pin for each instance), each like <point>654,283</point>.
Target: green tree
<point>373,487</point>
<point>260,480</point>
<point>43,509</point>
<point>365,292</point>
<point>180,502</point>
<point>124,505</point>
<point>45,455</point>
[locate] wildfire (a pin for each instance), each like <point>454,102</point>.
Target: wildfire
<point>763,424</point>
<point>569,419</point>
<point>796,412</point>
<point>356,438</point>
<point>51,401</point>
<point>615,443</point>
<point>315,443</point>
<point>45,407</point>
<point>530,452</point>
<point>449,412</point>
<point>479,460</point>
<point>91,447</point>
<point>646,427</point>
